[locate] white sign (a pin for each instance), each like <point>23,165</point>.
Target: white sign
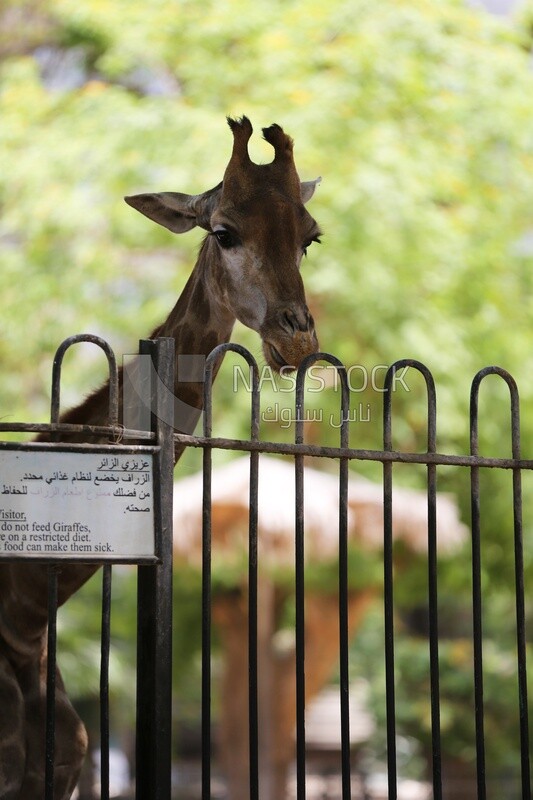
<point>56,504</point>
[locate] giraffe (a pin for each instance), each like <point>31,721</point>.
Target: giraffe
<point>248,269</point>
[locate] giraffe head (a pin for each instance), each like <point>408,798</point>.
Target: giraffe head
<point>259,230</point>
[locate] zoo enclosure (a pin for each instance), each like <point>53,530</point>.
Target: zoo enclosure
<point>155,575</point>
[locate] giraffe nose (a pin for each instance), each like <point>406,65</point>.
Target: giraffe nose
<point>289,336</point>
<point>295,319</point>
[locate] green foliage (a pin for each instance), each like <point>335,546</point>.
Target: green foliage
<point>79,630</point>
<point>457,716</point>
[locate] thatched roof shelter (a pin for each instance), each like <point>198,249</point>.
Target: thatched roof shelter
<point>276,509</point>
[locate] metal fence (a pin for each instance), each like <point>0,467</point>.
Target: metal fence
<point>153,757</point>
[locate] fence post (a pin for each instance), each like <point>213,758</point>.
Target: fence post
<point>154,598</point>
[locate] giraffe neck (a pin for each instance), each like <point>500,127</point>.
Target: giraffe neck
<point>201,313</point>
<point>199,321</point>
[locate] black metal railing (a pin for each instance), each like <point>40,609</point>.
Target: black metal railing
<point>153,751</point>
<point>431,459</point>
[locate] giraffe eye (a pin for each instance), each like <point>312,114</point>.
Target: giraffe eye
<point>225,238</point>
<point>310,242</point>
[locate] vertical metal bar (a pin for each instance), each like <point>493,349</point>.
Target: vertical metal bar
<point>299,555</point>
<point>433,590</point>
<point>206,625</point>
<point>344,644</point>
<point>104,681</point>
<point>51,684</point>
<point>253,714</point>
<point>253,567</point>
<point>206,586</point>
<point>392,770</point>
<point>521,637</point>
<point>154,599</point>
<point>477,607</point>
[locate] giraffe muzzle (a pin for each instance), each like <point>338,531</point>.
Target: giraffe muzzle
<point>290,339</point>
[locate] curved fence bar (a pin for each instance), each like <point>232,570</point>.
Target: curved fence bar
<point>300,419</point>
<point>477,598</point>
<point>113,374</point>
<point>212,363</point>
<point>432,576</point>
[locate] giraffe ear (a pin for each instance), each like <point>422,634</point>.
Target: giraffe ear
<point>175,211</point>
<point>307,189</point>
